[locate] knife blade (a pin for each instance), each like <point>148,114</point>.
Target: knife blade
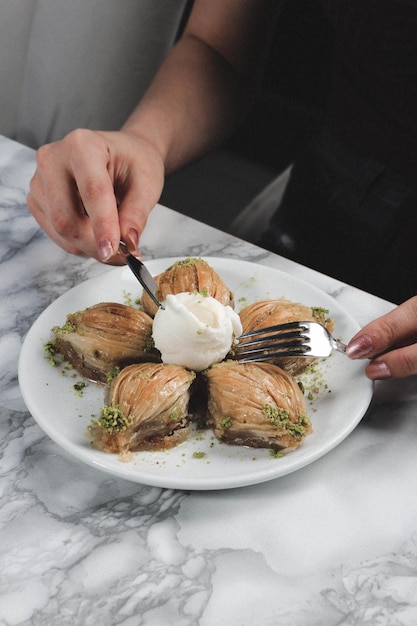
<point>142,273</point>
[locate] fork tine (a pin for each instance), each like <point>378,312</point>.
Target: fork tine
<point>253,347</point>
<point>276,328</point>
<point>267,356</point>
<point>301,338</point>
<point>280,340</point>
<point>268,338</point>
<point>280,349</point>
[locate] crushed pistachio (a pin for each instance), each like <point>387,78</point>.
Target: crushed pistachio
<point>79,387</point>
<point>68,327</point>
<point>112,373</point>
<point>313,383</point>
<point>50,353</point>
<point>127,296</point>
<point>281,418</point>
<point>199,455</point>
<point>189,262</point>
<point>319,311</point>
<point>149,344</point>
<point>112,420</point>
<point>276,454</point>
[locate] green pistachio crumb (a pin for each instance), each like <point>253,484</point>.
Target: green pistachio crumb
<point>68,327</point>
<point>127,298</point>
<point>112,373</point>
<point>276,454</point>
<point>149,345</point>
<point>50,353</point>
<point>79,387</point>
<point>319,313</point>
<point>112,420</point>
<point>281,419</point>
<point>279,416</point>
<point>189,262</point>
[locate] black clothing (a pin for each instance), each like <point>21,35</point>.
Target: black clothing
<point>350,208</point>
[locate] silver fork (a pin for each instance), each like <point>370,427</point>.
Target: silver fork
<point>309,339</point>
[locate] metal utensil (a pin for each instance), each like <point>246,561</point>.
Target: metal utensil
<point>141,272</point>
<point>309,339</point>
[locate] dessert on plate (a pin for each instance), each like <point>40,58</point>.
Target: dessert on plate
<point>103,337</point>
<point>257,405</point>
<point>147,408</point>
<point>191,275</point>
<point>194,330</point>
<point>152,361</point>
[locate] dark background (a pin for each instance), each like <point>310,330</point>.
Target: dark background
<point>289,109</point>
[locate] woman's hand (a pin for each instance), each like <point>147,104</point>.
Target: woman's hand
<point>390,342</point>
<point>92,189</point>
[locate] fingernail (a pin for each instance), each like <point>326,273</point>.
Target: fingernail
<point>378,370</point>
<point>360,347</point>
<point>133,237</point>
<point>105,250</point>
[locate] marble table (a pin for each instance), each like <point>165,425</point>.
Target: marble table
<point>333,543</point>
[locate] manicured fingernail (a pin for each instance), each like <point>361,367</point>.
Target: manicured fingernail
<point>360,347</point>
<point>378,370</point>
<point>133,236</point>
<point>105,250</point>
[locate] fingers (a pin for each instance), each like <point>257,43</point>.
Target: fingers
<point>90,164</point>
<point>390,341</point>
<point>92,189</point>
<point>394,364</point>
<point>36,202</point>
<point>68,174</point>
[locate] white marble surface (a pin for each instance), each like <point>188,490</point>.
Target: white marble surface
<point>332,544</point>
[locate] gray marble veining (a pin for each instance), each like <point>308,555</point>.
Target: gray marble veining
<point>332,544</point>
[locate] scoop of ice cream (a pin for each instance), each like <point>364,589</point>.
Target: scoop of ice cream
<point>194,330</point>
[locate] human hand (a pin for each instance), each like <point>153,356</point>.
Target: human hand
<point>93,188</point>
<point>390,342</point>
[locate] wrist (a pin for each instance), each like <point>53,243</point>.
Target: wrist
<point>149,134</point>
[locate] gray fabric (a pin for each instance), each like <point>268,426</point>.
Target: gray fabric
<point>78,63</point>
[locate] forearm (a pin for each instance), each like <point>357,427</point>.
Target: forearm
<point>195,101</point>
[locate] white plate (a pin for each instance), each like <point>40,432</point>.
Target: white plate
<point>64,416</point>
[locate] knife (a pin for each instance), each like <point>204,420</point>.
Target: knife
<point>142,273</point>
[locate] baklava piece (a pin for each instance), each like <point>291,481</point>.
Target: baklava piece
<point>104,338</point>
<point>189,275</point>
<point>257,405</point>
<point>147,409</point>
